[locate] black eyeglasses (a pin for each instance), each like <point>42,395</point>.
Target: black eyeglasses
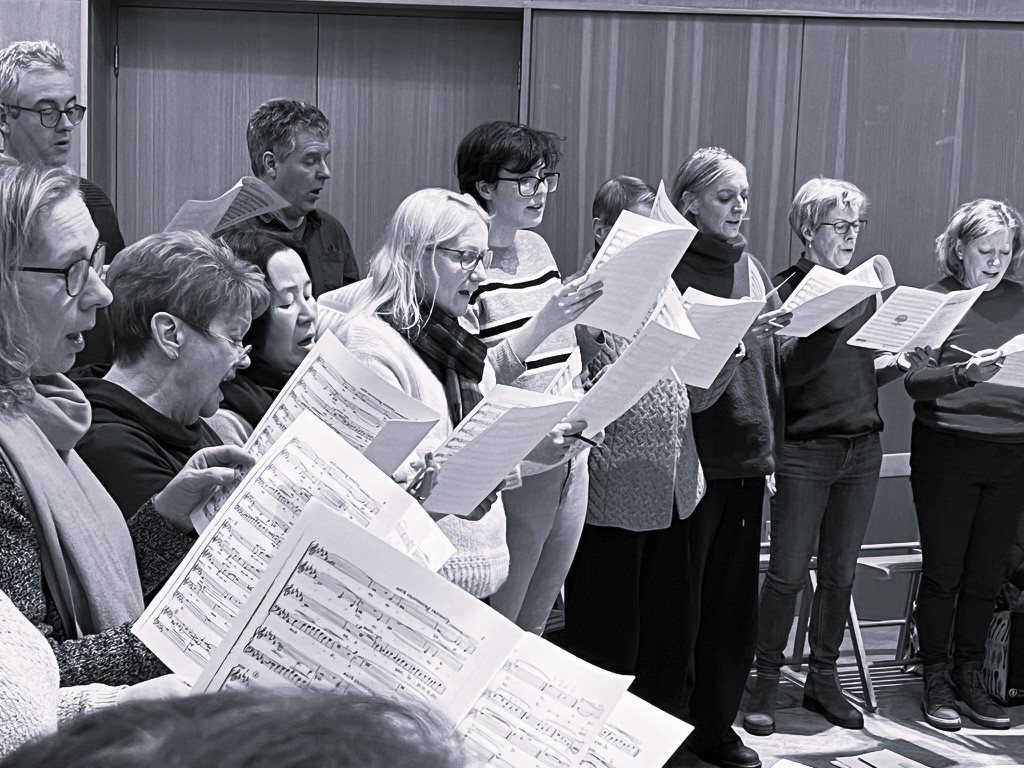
<point>50,116</point>
<point>842,227</point>
<point>469,258</point>
<point>76,274</point>
<point>528,185</point>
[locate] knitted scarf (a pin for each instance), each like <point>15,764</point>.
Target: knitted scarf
<point>709,264</point>
<point>88,560</point>
<point>454,355</point>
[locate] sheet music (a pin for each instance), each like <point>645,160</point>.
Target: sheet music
<point>489,443</point>
<point>914,317</point>
<point>824,294</point>
<point>379,420</point>
<point>634,263</point>
<point>564,383</point>
<point>1012,372</point>
<point>663,210</point>
<point>721,324</point>
<point>643,364</point>
<point>338,610</point>
<point>194,610</point>
<point>543,707</point>
<point>637,735</point>
<point>883,758</point>
<point>248,198</point>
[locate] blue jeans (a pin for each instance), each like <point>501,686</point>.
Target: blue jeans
<point>825,492</point>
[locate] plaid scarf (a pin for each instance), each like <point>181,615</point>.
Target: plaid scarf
<point>454,355</point>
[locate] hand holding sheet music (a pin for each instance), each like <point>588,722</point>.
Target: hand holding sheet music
<point>824,294</point>
<point>721,324</point>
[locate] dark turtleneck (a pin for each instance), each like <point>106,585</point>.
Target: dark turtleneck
<point>252,391</point>
<point>736,437</point>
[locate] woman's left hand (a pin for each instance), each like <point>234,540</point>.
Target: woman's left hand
<point>207,470</point>
<point>766,326</point>
<point>554,449</point>
<point>424,477</point>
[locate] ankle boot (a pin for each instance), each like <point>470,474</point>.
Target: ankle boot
<point>973,700</point>
<point>823,695</point>
<point>938,702</point>
<point>760,717</point>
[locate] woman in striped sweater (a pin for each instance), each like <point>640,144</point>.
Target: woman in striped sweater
<point>525,315</point>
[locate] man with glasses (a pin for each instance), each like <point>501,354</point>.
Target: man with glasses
<point>827,464</point>
<point>289,143</point>
<point>39,111</point>
<point>524,313</point>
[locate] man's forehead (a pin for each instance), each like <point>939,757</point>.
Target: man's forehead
<point>307,141</point>
<point>39,85</point>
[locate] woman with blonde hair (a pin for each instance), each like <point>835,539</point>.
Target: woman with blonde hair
<point>967,462</point>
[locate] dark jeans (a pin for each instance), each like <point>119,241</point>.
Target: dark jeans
<point>968,494</point>
<point>625,610</point>
<point>825,491</point>
<point>724,534</point>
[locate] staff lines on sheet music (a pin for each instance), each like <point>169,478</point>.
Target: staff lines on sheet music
<point>620,741</point>
<point>510,704</point>
<point>524,740</point>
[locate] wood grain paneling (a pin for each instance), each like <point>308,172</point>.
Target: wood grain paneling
<point>55,20</point>
<point>636,93</point>
<point>188,81</point>
<point>919,116</point>
<point>402,92</point>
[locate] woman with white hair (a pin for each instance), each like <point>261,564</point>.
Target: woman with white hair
<point>827,465</point>
<point>967,462</point>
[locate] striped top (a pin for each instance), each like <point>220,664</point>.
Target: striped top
<point>521,279</point>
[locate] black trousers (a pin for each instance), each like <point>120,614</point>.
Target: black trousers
<point>968,495</point>
<point>626,609</point>
<point>724,536</point>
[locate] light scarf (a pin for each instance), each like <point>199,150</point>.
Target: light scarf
<point>87,555</point>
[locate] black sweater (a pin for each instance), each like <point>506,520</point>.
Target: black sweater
<point>133,449</point>
<point>830,388</point>
<point>736,437</point>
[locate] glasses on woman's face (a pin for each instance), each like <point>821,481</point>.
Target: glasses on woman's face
<point>528,185</point>
<point>241,350</point>
<point>842,227</point>
<point>76,274</point>
<point>469,257</point>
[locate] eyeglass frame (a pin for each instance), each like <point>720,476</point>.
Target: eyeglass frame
<point>99,254</point>
<point>545,178</point>
<point>856,226</point>
<point>485,257</point>
<point>67,112</point>
<point>241,348</point>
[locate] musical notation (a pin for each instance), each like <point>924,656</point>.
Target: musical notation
<point>193,612</point>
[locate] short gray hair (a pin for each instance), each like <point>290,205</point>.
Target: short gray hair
<point>817,198</point>
<point>28,195</point>
<point>28,56</point>
<point>975,219</point>
<point>185,274</point>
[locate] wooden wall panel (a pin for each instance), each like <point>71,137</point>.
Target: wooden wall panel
<point>636,93</point>
<point>56,20</point>
<point>188,81</point>
<point>917,116</point>
<point>402,92</point>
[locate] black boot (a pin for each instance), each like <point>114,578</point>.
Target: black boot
<point>938,702</point>
<point>973,700</point>
<point>760,717</point>
<point>822,694</point>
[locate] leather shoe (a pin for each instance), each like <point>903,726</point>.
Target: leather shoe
<point>733,754</point>
<point>823,694</point>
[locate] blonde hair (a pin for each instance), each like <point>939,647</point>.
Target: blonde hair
<point>422,221</point>
<point>699,171</point>
<point>817,198</point>
<point>28,194</point>
<point>975,219</point>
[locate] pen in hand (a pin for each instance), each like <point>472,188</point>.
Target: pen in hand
<point>587,440</point>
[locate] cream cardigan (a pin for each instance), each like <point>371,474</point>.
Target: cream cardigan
<point>480,562</point>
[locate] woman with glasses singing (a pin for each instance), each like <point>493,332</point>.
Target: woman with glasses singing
<point>182,305</point>
<point>967,462</point>
<point>405,328</point>
<point>526,316</point>
<point>280,338</point>
<point>67,557</point>
<point>826,468</point>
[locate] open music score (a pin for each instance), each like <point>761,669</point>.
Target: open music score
<point>915,317</point>
<point>379,420</point>
<point>194,610</point>
<point>636,735</point>
<point>339,610</point>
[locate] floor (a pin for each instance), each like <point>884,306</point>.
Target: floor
<point>898,725</point>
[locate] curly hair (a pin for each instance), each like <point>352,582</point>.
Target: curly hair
<point>274,124</point>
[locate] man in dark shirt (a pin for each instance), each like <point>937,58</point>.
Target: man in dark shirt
<point>289,142</point>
